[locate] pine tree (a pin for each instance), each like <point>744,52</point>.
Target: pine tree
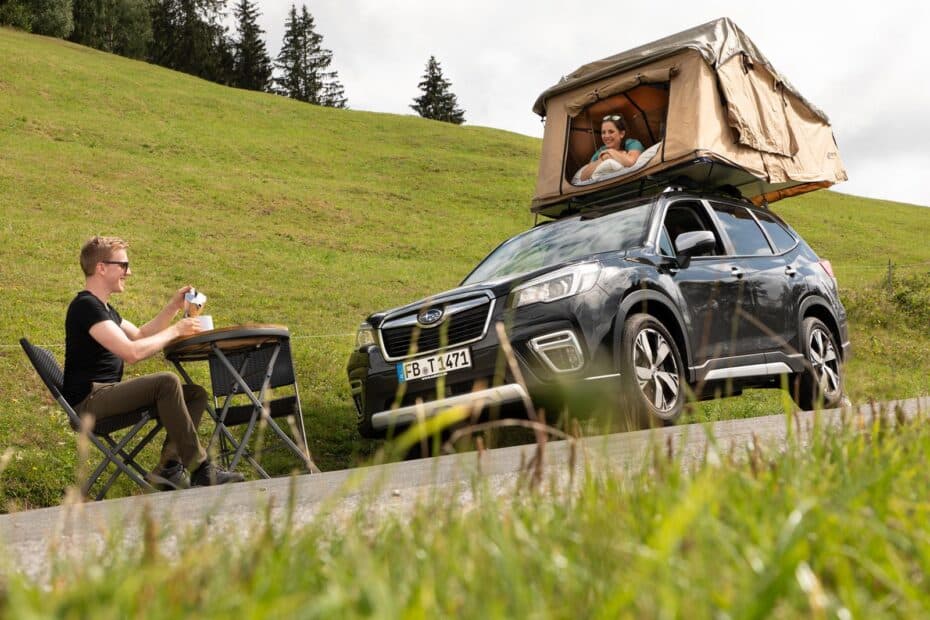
<point>16,13</point>
<point>437,101</point>
<point>333,95</point>
<point>49,17</point>
<point>122,27</point>
<point>303,64</point>
<point>188,36</point>
<point>252,65</point>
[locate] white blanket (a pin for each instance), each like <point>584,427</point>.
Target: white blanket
<point>611,168</point>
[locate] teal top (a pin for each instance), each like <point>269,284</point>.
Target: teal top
<point>630,144</point>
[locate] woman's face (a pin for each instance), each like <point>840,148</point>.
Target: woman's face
<point>611,136</point>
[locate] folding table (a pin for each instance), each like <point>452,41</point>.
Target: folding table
<point>248,360</point>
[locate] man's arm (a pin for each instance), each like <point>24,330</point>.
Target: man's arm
<point>161,321</point>
<point>117,341</point>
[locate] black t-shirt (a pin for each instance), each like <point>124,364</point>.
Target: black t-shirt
<point>86,360</point>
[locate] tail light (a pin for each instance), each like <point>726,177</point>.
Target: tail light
<point>828,268</point>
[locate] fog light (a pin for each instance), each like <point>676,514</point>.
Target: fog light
<point>560,351</point>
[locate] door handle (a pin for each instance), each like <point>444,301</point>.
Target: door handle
<point>790,271</point>
<point>736,272</point>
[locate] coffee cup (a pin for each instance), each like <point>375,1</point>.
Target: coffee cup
<point>206,322</point>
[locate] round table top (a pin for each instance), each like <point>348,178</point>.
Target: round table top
<point>230,339</point>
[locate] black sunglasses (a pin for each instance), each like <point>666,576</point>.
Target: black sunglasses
<point>122,263</point>
<point>613,117</point>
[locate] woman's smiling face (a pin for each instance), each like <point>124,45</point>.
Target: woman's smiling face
<point>611,136</point>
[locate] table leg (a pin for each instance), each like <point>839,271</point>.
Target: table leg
<point>220,431</point>
<point>259,405</point>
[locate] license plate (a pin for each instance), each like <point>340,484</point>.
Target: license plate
<point>434,365</point>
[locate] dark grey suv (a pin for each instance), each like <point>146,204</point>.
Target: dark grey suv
<point>652,300</point>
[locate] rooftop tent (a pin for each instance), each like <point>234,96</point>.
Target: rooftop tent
<point>710,111</point>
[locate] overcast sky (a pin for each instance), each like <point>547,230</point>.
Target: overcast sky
<point>864,65</point>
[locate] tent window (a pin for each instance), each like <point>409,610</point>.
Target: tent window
<point>644,108</point>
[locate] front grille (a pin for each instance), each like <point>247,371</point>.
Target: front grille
<point>456,328</point>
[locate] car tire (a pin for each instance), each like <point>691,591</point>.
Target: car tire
<point>651,372</point>
<point>821,382</point>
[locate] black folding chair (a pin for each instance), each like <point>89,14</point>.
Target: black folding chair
<point>122,452</point>
<point>260,370</point>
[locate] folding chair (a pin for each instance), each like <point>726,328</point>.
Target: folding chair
<point>260,370</point>
<point>122,452</point>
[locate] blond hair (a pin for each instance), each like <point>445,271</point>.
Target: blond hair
<point>99,249</point>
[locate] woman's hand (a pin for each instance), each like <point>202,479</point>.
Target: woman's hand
<point>612,154</point>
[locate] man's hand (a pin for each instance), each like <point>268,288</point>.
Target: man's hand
<point>177,300</point>
<point>186,327</point>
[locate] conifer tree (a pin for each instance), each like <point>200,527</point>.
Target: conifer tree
<point>122,27</point>
<point>188,36</point>
<point>252,65</point>
<point>333,95</point>
<point>49,17</point>
<point>303,64</point>
<point>16,13</point>
<point>437,101</point>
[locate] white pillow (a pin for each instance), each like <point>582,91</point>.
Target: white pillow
<point>611,168</point>
<point>608,168</point>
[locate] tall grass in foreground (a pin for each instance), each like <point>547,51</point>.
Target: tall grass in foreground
<point>836,527</point>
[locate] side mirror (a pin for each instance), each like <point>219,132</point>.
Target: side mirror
<point>694,243</point>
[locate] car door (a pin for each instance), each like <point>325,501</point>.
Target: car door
<point>787,254</point>
<point>766,297</point>
<point>708,290</point>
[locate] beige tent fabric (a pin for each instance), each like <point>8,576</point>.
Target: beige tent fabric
<point>717,41</point>
<point>756,106</point>
<point>612,87</point>
<point>725,104</point>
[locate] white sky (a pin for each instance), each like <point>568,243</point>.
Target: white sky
<point>865,65</point>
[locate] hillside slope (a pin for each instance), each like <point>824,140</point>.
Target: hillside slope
<point>280,212</point>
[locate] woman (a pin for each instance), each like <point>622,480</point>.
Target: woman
<point>624,151</point>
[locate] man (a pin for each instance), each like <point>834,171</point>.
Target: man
<point>97,343</point>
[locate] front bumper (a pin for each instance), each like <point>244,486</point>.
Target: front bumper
<point>500,396</point>
<point>541,336</point>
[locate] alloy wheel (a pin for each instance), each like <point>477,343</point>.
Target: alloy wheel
<point>825,362</point>
<point>656,370</point>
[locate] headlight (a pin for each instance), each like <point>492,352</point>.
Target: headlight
<point>365,336</point>
<point>557,285</point>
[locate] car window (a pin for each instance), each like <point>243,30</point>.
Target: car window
<point>782,239</point>
<point>566,240</point>
<point>665,244</point>
<point>686,216</point>
<point>743,231</point>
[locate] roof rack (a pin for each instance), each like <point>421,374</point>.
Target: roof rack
<point>703,175</point>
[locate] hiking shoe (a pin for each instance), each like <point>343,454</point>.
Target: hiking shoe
<point>208,475</point>
<point>171,477</point>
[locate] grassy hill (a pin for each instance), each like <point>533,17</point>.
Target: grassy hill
<point>289,213</point>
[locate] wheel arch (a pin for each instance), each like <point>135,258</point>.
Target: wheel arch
<point>817,307</point>
<point>659,305</point>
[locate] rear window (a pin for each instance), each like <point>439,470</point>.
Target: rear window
<point>782,239</point>
<point>565,240</point>
<point>743,231</point>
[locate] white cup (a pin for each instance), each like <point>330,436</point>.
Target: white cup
<point>206,322</point>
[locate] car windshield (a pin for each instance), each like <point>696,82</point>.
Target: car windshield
<point>565,240</point>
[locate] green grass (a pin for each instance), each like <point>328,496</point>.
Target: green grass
<point>311,217</point>
<point>833,528</point>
